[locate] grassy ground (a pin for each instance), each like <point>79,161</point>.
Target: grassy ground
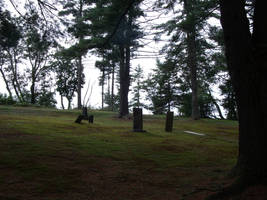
<point>44,155</point>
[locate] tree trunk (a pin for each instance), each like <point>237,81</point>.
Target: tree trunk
<point>33,98</point>
<point>192,56</point>
<point>218,108</point>
<point>112,86</point>
<point>79,88</point>
<point>216,105</point>
<point>62,103</point>
<point>124,80</point>
<point>69,103</point>
<point>80,65</point>
<point>246,58</point>
<point>102,87</point>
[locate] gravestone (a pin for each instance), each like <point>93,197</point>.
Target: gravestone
<point>169,122</point>
<point>91,119</point>
<point>138,120</point>
<point>84,116</point>
<point>79,119</point>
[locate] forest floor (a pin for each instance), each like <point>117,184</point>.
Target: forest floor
<point>44,155</point>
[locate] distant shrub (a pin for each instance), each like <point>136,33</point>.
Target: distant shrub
<point>6,100</point>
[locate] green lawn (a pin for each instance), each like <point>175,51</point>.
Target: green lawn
<point>45,155</point>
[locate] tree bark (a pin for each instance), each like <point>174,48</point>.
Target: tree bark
<point>69,104</point>
<point>216,105</point>
<point>218,108</point>
<point>33,96</point>
<point>124,80</point>
<point>79,88</point>
<point>102,87</point>
<point>112,86</point>
<point>192,56</point>
<point>80,65</point>
<point>62,103</point>
<point>246,58</point>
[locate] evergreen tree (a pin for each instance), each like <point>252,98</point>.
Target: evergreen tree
<point>78,28</point>
<point>187,44</point>
<point>162,88</point>
<point>137,78</point>
<point>111,14</point>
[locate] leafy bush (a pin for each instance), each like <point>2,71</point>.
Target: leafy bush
<point>6,100</point>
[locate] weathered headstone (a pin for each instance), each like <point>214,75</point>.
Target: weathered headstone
<point>84,116</point>
<point>169,122</point>
<point>138,120</point>
<point>79,119</point>
<point>91,118</point>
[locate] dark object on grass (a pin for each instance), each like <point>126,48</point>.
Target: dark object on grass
<point>79,119</point>
<point>84,116</point>
<point>138,120</point>
<point>169,122</point>
<point>91,119</point>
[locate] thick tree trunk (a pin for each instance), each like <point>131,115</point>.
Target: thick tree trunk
<point>102,88</point>
<point>112,87</point>
<point>80,65</point>
<point>124,80</point>
<point>69,104</point>
<point>32,89</point>
<point>192,56</point>
<point>246,55</point>
<point>193,71</point>
<point>79,88</point>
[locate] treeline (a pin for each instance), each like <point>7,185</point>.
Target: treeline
<point>43,51</point>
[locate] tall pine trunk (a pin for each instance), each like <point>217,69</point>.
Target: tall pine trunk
<point>102,88</point>
<point>246,55</point>
<point>80,65</point>
<point>192,55</point>
<point>79,87</point>
<point>112,86</point>
<point>124,80</point>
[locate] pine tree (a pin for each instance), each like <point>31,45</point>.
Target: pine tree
<point>137,78</point>
<point>162,88</point>
<point>78,28</point>
<point>187,46</point>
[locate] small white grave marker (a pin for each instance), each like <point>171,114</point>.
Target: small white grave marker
<point>194,133</point>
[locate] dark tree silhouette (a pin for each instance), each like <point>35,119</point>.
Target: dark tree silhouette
<point>246,53</point>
